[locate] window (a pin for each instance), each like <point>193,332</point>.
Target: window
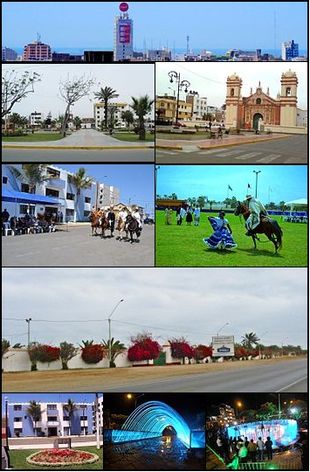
<point>288,91</point>
<point>51,407</point>
<point>86,213</point>
<point>53,172</point>
<point>49,192</point>
<point>4,180</point>
<point>87,200</point>
<point>258,101</point>
<point>66,418</point>
<point>69,212</point>
<point>83,418</point>
<point>25,188</point>
<point>52,418</point>
<point>24,208</point>
<point>70,196</point>
<point>17,408</point>
<point>232,92</point>
<point>18,419</point>
<point>18,431</point>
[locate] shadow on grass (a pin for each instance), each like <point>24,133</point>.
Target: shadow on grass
<point>261,252</point>
<point>220,252</point>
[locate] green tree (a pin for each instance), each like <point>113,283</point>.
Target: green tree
<point>105,95</point>
<point>201,201</point>
<point>70,407</point>
<point>81,182</point>
<point>141,106</point>
<point>5,346</point>
<point>116,349</point>
<point>31,174</point>
<point>17,120</point>
<point>267,410</point>
<point>67,351</point>
<point>249,340</point>
<point>34,410</point>
<point>86,343</point>
<point>77,122</point>
<point>15,87</point>
<point>128,117</point>
<point>174,196</point>
<point>112,109</point>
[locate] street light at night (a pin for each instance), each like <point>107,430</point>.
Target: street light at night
<point>175,76</point>
<point>130,396</point>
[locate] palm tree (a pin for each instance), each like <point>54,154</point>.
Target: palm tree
<point>116,349</point>
<point>105,95</point>
<point>5,346</point>
<point>34,410</point>
<point>86,343</point>
<point>31,174</point>
<point>249,340</point>
<point>128,117</point>
<point>70,408</point>
<point>81,181</point>
<point>142,106</point>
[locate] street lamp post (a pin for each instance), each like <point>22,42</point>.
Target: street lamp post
<point>259,346</point>
<point>6,423</point>
<point>28,320</point>
<point>109,323</point>
<point>180,84</point>
<point>221,328</point>
<point>256,172</point>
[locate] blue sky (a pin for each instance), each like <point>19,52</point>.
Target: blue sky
<point>275,183</point>
<point>209,24</point>
<point>135,181</point>
<point>48,397</point>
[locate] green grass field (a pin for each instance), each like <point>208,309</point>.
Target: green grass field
<point>182,246</point>
<point>133,137</point>
<point>18,460</point>
<point>32,138</point>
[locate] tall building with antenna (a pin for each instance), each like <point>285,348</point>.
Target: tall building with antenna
<point>123,35</point>
<point>37,51</point>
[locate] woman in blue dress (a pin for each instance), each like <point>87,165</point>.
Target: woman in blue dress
<point>222,236</point>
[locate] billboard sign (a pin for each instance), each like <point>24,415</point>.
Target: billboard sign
<point>223,346</point>
<point>124,32</point>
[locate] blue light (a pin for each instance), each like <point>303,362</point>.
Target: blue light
<point>281,432</point>
<point>150,419</point>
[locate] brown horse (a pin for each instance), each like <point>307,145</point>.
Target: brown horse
<point>121,228</point>
<point>98,219</point>
<point>267,226</point>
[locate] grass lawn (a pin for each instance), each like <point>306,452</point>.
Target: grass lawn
<point>18,460</point>
<point>182,246</point>
<point>133,137</point>
<point>32,138</point>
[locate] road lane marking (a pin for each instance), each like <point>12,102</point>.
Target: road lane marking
<point>292,384</point>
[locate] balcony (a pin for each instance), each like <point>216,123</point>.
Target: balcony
<point>53,423</point>
<point>56,183</point>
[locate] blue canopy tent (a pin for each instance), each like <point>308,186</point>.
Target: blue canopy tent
<point>23,197</point>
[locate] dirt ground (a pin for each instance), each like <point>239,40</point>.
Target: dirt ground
<point>89,380</point>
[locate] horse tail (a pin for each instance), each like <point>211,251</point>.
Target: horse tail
<point>278,232</point>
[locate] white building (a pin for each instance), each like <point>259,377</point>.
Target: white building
<point>9,54</point>
<point>107,195</point>
<point>159,55</point>
<point>118,108</point>
<point>35,118</point>
<point>290,50</point>
<point>57,195</point>
<point>199,106</point>
<point>302,118</point>
<point>123,35</point>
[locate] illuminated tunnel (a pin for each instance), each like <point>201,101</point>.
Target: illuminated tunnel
<point>282,432</point>
<point>150,419</point>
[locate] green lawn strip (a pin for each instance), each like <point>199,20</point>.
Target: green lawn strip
<point>18,460</point>
<point>132,137</point>
<point>32,138</point>
<point>182,245</point>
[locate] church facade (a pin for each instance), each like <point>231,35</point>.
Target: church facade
<point>259,109</point>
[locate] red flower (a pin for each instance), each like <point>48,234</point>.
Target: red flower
<point>93,353</point>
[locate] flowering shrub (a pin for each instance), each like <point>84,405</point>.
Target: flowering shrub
<point>181,349</point>
<point>143,349</point>
<point>43,353</point>
<point>93,353</point>
<point>241,352</point>
<point>61,457</point>
<point>202,351</point>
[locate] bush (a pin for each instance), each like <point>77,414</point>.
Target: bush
<point>181,349</point>
<point>202,351</point>
<point>92,354</point>
<point>43,353</point>
<point>144,348</point>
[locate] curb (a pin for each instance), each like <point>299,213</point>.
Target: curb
<point>88,148</point>
<point>240,144</point>
<point>174,148</point>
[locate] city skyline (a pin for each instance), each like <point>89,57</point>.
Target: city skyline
<point>276,183</point>
<point>166,302</point>
<point>46,97</point>
<point>47,397</point>
<point>209,79</point>
<point>22,21</point>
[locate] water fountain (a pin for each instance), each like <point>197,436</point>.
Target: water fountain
<point>282,432</point>
<point>150,419</point>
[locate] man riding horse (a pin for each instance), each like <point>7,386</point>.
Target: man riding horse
<point>257,210</point>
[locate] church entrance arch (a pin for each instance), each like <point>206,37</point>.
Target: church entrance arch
<point>257,118</point>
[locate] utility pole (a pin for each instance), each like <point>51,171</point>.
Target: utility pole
<point>256,172</point>
<point>28,320</point>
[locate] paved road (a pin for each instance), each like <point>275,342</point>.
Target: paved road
<point>291,150</point>
<point>77,155</point>
<point>77,248</point>
<point>83,137</point>
<point>284,376</point>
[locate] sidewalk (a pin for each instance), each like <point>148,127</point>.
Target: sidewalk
<point>235,140</point>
